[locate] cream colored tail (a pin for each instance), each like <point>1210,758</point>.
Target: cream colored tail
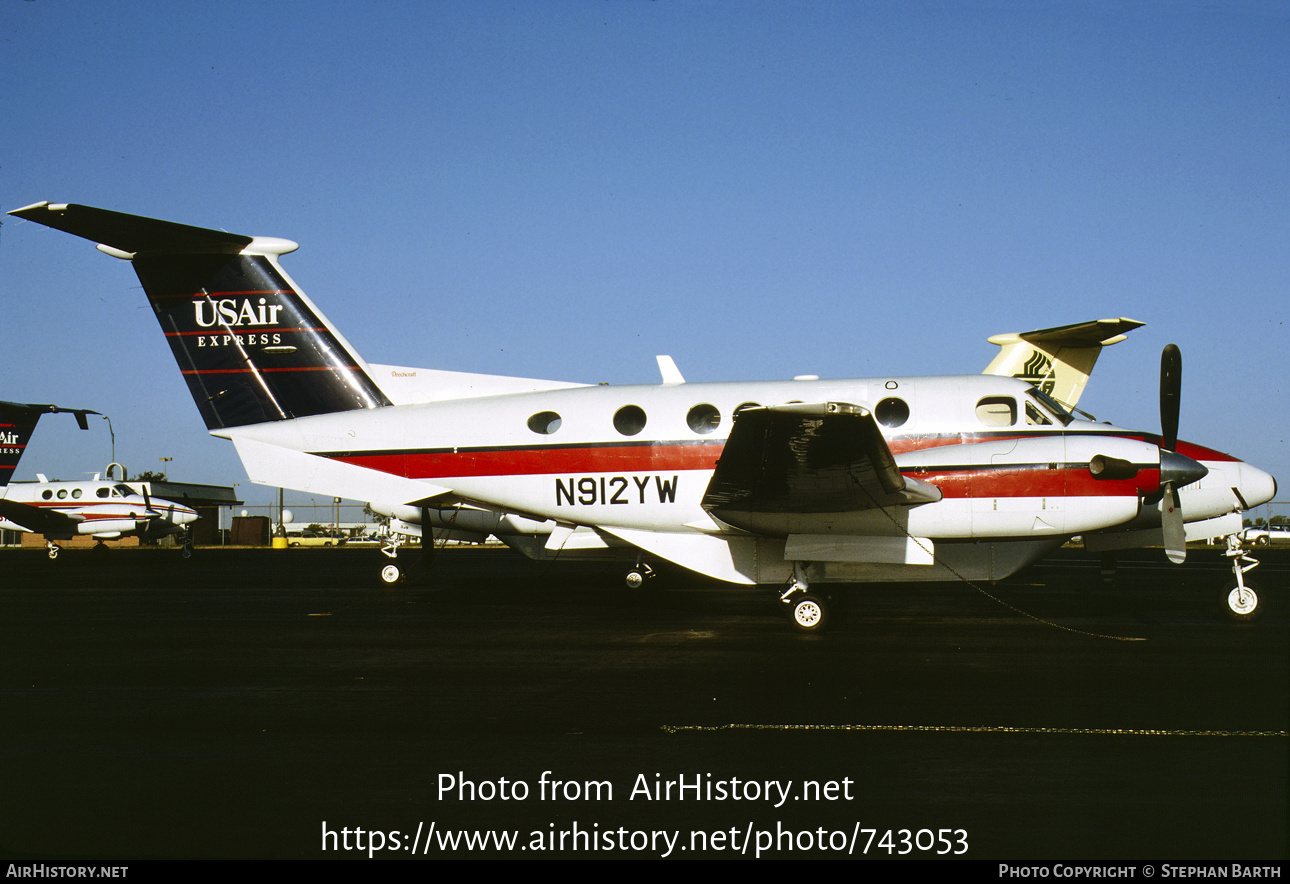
<point>1058,360</point>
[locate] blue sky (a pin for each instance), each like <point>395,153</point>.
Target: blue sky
<point>565,189</point>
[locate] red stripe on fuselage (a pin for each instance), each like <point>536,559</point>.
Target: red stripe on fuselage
<point>539,461</point>
<point>1004,480</point>
<point>1032,481</point>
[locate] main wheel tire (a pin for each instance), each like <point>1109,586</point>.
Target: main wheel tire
<point>1243,604</point>
<point>391,575</point>
<point>635,578</point>
<point>808,613</point>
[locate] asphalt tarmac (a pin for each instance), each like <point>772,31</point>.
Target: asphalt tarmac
<point>283,704</point>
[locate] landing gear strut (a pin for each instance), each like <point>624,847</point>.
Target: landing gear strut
<point>53,549</point>
<point>1240,598</point>
<point>807,611</point>
<point>392,573</point>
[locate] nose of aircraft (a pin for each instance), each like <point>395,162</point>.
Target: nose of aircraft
<point>1255,486</point>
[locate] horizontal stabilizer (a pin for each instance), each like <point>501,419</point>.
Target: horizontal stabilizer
<point>131,233</point>
<point>1058,360</point>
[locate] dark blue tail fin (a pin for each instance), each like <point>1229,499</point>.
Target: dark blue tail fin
<point>17,423</point>
<point>250,344</point>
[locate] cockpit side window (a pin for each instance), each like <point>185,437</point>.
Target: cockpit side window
<point>1035,417</point>
<point>1050,406</point>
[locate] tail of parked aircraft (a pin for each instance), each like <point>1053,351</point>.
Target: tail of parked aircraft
<point>17,423</point>
<point>250,344</point>
<point>1058,360</point>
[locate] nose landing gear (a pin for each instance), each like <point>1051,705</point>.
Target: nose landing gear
<point>1241,599</point>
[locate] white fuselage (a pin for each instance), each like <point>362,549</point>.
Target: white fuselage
<point>105,510</point>
<point>1009,467</point>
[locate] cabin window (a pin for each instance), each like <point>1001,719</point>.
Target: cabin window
<point>102,492</point>
<point>629,420</point>
<point>545,422</point>
<point>46,494</point>
<point>892,412</point>
<point>703,419</point>
<point>62,494</point>
<point>997,411</point>
<point>76,494</point>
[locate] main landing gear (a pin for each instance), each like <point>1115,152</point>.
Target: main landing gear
<point>53,549</point>
<point>392,573</point>
<point>807,611</point>
<point>1240,599</point>
<point>638,574</point>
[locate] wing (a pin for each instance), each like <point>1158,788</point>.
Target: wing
<point>39,519</point>
<point>791,463</point>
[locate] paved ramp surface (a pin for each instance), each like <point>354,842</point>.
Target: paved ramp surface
<point>283,704</point>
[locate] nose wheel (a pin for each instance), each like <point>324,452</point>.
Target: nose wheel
<point>1242,602</point>
<point>1241,599</point>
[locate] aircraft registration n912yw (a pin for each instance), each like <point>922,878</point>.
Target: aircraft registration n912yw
<point>798,483</point>
<point>104,510</point>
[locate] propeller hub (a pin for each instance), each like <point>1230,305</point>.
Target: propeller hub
<point>1178,470</point>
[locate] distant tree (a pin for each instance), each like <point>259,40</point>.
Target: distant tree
<point>149,476</point>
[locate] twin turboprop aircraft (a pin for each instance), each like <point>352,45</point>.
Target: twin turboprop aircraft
<point>105,510</point>
<point>800,483</point>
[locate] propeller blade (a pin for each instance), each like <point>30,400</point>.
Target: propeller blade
<point>1170,393</point>
<point>1171,523</point>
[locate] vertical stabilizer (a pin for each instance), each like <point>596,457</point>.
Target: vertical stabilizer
<point>1058,360</point>
<point>17,423</point>
<point>251,346</point>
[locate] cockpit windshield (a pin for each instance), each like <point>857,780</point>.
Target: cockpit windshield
<point>122,491</point>
<point>1050,405</point>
